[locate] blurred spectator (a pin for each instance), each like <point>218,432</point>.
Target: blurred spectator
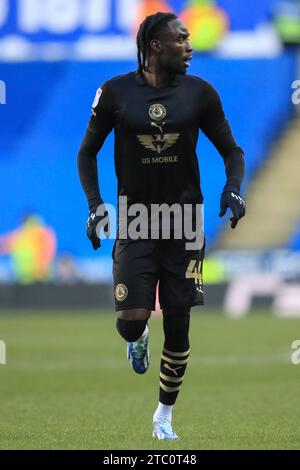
<point>149,7</point>
<point>32,248</point>
<point>287,21</point>
<point>66,271</point>
<point>214,270</point>
<point>206,22</point>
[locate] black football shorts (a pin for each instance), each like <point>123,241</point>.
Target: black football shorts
<point>138,265</point>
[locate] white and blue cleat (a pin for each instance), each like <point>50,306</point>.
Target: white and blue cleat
<point>162,430</point>
<point>138,353</point>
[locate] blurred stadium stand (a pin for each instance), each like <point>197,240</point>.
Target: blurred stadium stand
<point>277,185</point>
<point>52,61</point>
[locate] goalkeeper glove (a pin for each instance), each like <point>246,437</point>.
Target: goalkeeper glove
<point>236,204</point>
<point>96,220</point>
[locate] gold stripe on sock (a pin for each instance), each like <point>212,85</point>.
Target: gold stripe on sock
<point>170,379</point>
<point>169,389</point>
<point>176,354</point>
<point>174,361</point>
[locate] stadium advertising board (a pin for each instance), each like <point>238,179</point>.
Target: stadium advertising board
<point>38,29</point>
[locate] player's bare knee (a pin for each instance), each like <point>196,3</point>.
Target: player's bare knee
<point>134,314</point>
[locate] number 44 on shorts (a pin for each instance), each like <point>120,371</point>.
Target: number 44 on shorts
<point>194,271</point>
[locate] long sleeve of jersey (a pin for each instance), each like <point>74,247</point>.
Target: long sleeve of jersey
<point>100,125</point>
<point>216,127</point>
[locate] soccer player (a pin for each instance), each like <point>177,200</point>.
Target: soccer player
<point>156,113</point>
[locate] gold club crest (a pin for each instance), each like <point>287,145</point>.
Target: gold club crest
<point>158,142</point>
<point>157,112</point>
<point>121,292</point>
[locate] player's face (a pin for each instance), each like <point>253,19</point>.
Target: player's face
<point>176,49</point>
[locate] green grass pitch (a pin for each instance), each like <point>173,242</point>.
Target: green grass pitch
<point>67,384</point>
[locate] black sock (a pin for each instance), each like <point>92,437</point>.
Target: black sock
<point>175,354</point>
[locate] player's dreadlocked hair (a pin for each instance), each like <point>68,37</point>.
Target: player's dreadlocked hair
<point>147,31</point>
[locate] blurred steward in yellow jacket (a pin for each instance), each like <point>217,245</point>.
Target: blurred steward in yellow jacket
<point>32,248</point>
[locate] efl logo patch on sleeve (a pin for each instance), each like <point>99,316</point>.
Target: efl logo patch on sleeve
<point>97,98</point>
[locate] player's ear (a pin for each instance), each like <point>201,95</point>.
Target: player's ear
<point>155,45</point>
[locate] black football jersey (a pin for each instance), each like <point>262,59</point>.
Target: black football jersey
<point>156,132</point>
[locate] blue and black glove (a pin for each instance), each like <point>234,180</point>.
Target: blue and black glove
<point>233,200</point>
<point>97,219</point>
